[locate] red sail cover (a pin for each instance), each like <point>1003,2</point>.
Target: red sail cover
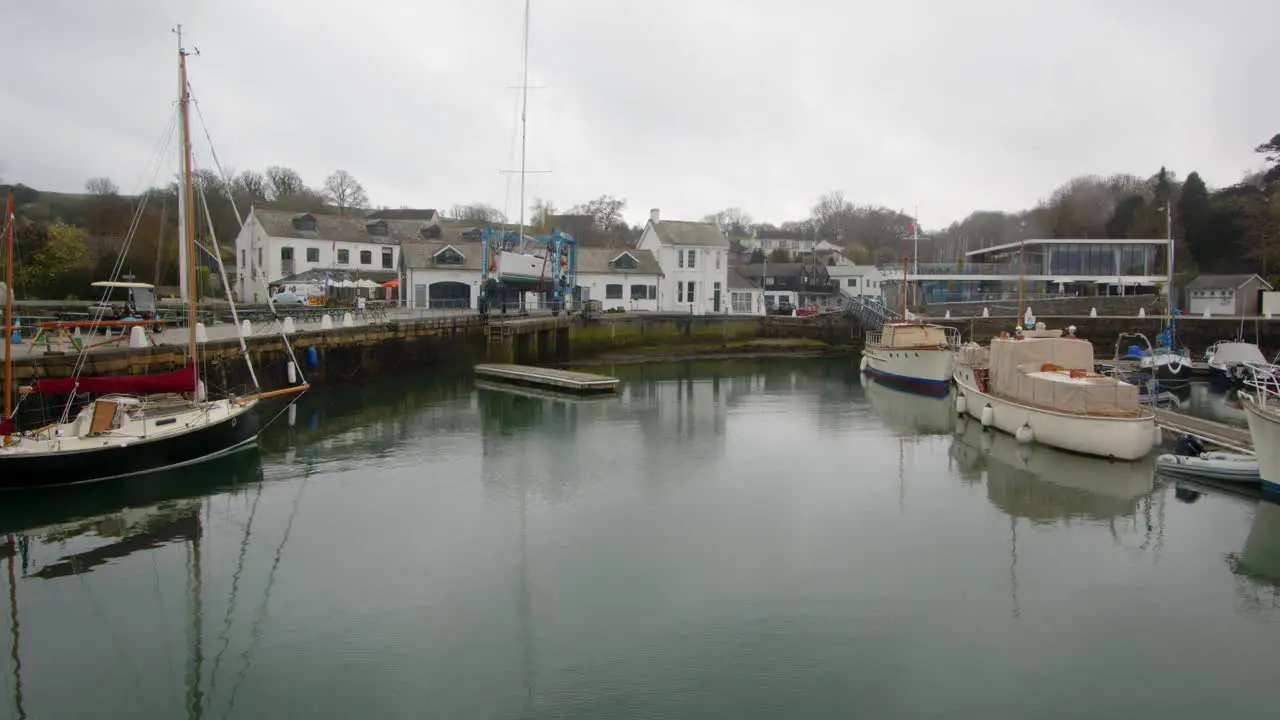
<point>177,381</point>
<point>5,427</point>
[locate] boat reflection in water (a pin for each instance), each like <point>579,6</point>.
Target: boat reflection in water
<point>910,414</point>
<point>1211,403</point>
<point>1258,564</point>
<point>1042,484</point>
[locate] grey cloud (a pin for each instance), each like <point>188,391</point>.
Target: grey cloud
<point>688,106</point>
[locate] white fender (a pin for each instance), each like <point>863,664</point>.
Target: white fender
<point>1024,434</point>
<point>988,416</point>
<point>293,414</point>
<point>292,372</point>
<point>246,328</point>
<point>289,328</point>
<point>862,366</point>
<point>961,404</point>
<point>202,334</point>
<point>326,323</point>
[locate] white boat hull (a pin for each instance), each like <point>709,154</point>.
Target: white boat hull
<point>1264,429</point>
<point>926,371</point>
<point>522,266</point>
<point>1119,438</point>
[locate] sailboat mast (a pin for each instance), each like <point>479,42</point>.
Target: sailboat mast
<point>188,195</point>
<point>1022,247</point>
<point>524,115</point>
<point>8,314</point>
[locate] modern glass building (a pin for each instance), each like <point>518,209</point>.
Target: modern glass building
<point>1048,267</point>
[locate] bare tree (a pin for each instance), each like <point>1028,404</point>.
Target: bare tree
<point>344,191</point>
<point>101,187</point>
<point>478,213</point>
<point>734,220</point>
<point>606,210</point>
<point>284,182</point>
<point>253,185</point>
<point>542,210</point>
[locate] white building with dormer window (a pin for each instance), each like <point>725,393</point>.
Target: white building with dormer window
<point>277,244</point>
<point>694,258</point>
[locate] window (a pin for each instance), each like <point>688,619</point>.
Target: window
<point>688,289</point>
<point>717,259</point>
<point>305,222</point>
<point>286,253</point>
<point>740,302</point>
<point>693,258</point>
<point>653,292</point>
<point>612,292</point>
<point>625,262</point>
<point>344,257</point>
<point>366,257</point>
<point>679,258</point>
<point>448,256</point>
<point>313,255</point>
<point>639,292</point>
<point>387,255</point>
<point>378,227</point>
<point>242,261</point>
<point>851,282</point>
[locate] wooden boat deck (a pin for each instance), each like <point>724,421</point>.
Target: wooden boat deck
<point>549,378</point>
<point>1228,436</point>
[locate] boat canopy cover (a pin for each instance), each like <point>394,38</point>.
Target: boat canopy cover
<point>1237,352</point>
<point>177,381</point>
<point>1039,372</point>
<point>912,335</point>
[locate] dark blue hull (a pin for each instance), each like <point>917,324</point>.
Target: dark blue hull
<point>917,386</point>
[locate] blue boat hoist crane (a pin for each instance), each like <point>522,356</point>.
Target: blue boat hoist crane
<point>509,270</point>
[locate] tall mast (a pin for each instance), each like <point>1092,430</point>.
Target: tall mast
<point>8,315</point>
<point>524,115</point>
<point>188,220</point>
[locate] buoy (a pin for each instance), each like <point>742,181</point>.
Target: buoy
<point>201,393</point>
<point>947,315</point>
<point>326,323</point>
<point>1267,315</point>
<point>293,414</point>
<point>1142,312</point>
<point>961,404</point>
<point>986,312</point>
<point>313,357</point>
<point>76,333</point>
<point>988,416</point>
<point>1205,313</point>
<point>292,372</point>
<point>289,329</point>
<point>347,320</point>
<point>1024,434</point>
<point>137,337</point>
<point>246,328</point>
<point>1159,434</point>
<point>862,366</point>
<point>202,334</point>
<point>1093,312</point>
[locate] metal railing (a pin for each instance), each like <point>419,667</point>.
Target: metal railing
<point>870,314</point>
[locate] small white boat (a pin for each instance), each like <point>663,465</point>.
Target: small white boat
<point>1224,466</point>
<point>1230,362</point>
<point>1041,387</point>
<point>912,356</point>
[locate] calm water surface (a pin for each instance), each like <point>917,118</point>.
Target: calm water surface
<point>723,541</point>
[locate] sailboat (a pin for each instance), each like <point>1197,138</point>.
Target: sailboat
<point>138,423</point>
<point>515,263</point>
<point>909,354</point>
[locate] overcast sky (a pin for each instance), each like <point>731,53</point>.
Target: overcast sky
<point>685,105</point>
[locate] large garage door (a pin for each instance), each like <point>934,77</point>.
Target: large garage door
<point>450,295</point>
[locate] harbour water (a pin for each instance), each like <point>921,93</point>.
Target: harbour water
<point>721,540</point>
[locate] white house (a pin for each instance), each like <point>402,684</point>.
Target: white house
<point>443,275</point>
<point>767,241</point>
<point>745,297</point>
<point>694,261</point>
<point>277,244</point>
<point>1226,294</point>
<point>619,278</point>
<point>857,280</point>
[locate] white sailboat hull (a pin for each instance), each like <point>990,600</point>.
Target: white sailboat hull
<point>1119,438</point>
<point>1264,429</point>
<point>523,267</point>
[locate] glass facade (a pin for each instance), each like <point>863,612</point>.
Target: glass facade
<point>1102,259</point>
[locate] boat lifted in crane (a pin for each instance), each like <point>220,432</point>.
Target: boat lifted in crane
<point>516,264</point>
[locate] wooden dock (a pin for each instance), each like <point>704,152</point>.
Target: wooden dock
<point>549,378</point>
<point>1228,436</point>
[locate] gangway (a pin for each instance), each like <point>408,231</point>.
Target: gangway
<point>871,315</point>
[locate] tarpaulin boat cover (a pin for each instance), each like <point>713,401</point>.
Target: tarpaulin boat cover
<point>177,381</point>
<point>1018,372</point>
<point>912,335</point>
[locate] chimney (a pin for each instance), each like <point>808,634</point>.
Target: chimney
<point>653,215</point>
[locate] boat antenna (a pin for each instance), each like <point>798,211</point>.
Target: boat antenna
<point>1022,266</point>
<point>188,224</point>
<point>8,316</point>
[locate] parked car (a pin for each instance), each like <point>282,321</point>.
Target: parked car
<point>287,298</point>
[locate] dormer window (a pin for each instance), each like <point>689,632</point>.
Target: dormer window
<point>448,256</point>
<point>625,261</point>
<point>306,222</point>
<point>430,232</point>
<point>377,227</point>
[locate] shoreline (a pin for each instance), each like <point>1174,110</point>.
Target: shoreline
<point>746,350</point>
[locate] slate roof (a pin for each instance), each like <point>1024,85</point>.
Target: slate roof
<point>421,255</point>
<point>340,228</point>
<point>596,260</point>
<point>1217,282</point>
<point>692,234</point>
<point>425,214</point>
<point>738,281</point>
